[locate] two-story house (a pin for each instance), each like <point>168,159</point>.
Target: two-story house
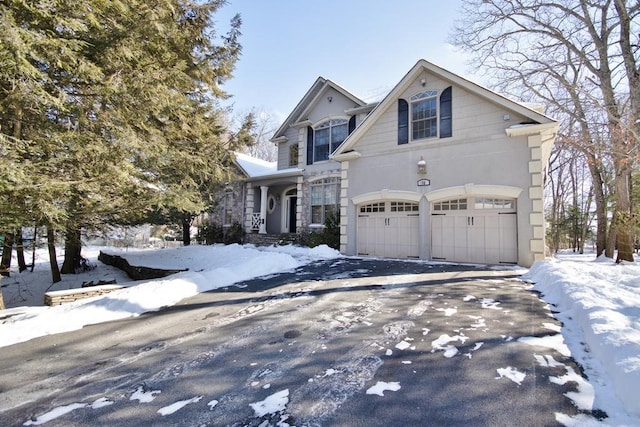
<point>440,169</point>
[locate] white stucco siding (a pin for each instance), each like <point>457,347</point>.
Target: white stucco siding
<point>335,108</point>
<point>488,157</point>
<point>473,118</point>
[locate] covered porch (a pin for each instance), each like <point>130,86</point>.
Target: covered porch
<point>273,204</point>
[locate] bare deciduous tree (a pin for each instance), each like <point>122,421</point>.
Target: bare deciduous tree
<point>581,58</point>
<point>265,127</point>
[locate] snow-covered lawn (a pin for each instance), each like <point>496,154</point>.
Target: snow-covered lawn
<point>210,267</point>
<point>597,301</point>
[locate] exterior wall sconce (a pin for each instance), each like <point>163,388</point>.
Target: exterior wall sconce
<point>422,166</point>
<point>423,82</point>
<point>329,98</point>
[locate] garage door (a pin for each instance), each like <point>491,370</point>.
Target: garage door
<point>479,230</point>
<point>389,229</point>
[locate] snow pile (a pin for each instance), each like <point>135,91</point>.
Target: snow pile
<point>599,305</point>
<point>210,267</point>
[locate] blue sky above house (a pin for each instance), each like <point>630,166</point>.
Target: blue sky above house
<point>364,46</point>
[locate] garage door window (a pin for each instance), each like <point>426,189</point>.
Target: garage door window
<point>404,207</point>
<point>451,205</point>
<point>493,203</point>
<point>372,207</point>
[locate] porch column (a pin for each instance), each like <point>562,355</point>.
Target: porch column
<point>264,189</point>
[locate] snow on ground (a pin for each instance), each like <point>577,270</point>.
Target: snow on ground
<point>210,267</point>
<point>598,302</point>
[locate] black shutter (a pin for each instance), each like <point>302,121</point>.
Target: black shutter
<point>403,122</point>
<point>309,145</point>
<point>352,124</point>
<point>446,123</point>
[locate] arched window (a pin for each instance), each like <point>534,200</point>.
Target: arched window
<point>327,138</point>
<point>427,114</point>
<point>424,115</point>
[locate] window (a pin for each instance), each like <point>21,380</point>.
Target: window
<point>325,139</point>
<point>451,205</point>
<point>372,207</point>
<point>324,199</point>
<point>494,203</point>
<point>227,217</point>
<point>271,204</point>
<point>424,115</point>
<point>404,207</point>
<point>293,155</point>
<point>429,115</point>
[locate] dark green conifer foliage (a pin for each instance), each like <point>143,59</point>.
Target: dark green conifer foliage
<point>109,111</point>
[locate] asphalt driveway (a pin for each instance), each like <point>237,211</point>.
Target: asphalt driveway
<point>346,342</point>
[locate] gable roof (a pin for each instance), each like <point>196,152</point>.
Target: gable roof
<point>309,100</point>
<point>454,79</point>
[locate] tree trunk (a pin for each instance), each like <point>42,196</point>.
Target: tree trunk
<point>186,231</point>
<point>601,207</point>
<point>610,247</point>
<point>53,261</point>
<point>22,265</point>
<point>586,220</point>
<point>72,250</point>
<point>33,247</point>
<point>624,238</point>
<point>5,263</point>
<point>1,298</point>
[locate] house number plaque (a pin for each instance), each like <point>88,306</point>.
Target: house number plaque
<point>424,182</point>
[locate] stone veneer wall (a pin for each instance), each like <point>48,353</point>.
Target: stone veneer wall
<point>69,295</point>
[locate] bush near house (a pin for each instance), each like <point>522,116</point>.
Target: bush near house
<point>329,235</point>
<point>210,233</point>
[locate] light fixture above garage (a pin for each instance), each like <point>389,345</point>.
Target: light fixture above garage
<point>422,166</point>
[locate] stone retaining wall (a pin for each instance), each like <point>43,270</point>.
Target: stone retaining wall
<point>70,295</point>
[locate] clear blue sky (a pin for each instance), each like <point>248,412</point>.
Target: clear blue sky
<point>366,46</point>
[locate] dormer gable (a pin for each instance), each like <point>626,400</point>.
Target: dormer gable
<point>421,105</point>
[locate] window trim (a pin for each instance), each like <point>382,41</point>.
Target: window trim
<point>426,96</point>
<point>312,136</point>
<point>294,154</point>
<point>443,117</point>
<point>322,183</point>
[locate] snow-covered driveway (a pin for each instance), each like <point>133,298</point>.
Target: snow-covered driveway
<point>343,342</point>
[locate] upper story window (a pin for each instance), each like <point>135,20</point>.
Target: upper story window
<point>328,136</point>
<point>325,138</point>
<point>426,115</point>
<point>293,155</point>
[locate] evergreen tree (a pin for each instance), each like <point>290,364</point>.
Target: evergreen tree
<point>108,110</point>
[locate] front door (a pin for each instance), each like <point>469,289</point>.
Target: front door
<point>292,202</point>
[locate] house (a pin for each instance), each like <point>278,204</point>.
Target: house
<point>440,169</point>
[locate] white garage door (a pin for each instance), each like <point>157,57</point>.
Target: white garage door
<point>479,230</point>
<point>389,229</point>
